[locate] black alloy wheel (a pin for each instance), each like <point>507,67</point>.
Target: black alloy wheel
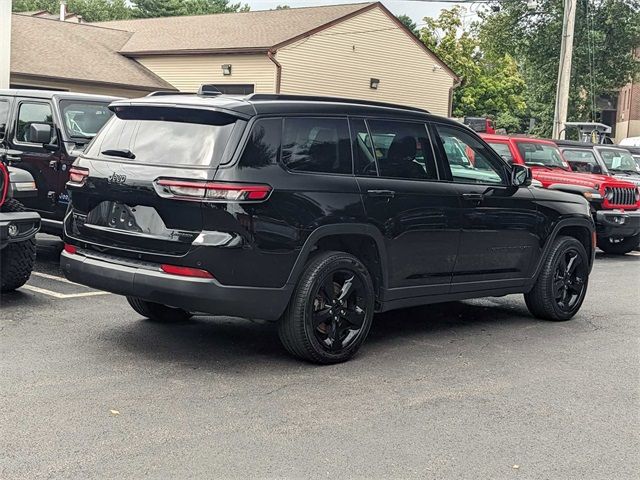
<point>331,310</point>
<point>561,285</point>
<point>569,280</point>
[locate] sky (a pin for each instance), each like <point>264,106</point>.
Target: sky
<point>417,10</point>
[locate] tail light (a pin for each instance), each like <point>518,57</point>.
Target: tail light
<point>4,182</point>
<point>185,271</point>
<point>70,249</point>
<point>78,175</point>
<point>211,191</point>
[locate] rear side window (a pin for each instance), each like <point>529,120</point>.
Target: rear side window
<point>162,142</point>
<point>402,149</point>
<point>263,146</point>
<point>319,145</point>
<point>32,113</point>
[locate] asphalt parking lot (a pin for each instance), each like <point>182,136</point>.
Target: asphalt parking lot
<point>468,390</point>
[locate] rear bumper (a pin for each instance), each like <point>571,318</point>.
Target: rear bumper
<point>612,223</point>
<point>18,226</point>
<point>148,282</point>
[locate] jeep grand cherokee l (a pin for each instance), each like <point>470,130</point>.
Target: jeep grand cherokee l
<point>615,202</point>
<point>315,213</point>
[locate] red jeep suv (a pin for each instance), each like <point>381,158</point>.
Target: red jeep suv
<point>615,204</point>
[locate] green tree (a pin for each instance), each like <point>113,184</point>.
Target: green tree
<point>606,33</point>
<point>491,86</point>
<point>90,10</point>
<point>172,8</point>
<point>409,23</point>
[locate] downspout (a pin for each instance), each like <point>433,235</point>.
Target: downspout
<point>455,85</point>
<point>271,56</point>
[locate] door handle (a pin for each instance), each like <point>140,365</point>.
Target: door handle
<point>381,193</point>
<point>473,197</point>
<point>12,158</point>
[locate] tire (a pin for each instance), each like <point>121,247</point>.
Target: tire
<point>158,312</point>
<point>331,310</point>
<point>619,247</point>
<point>16,259</point>
<point>542,301</point>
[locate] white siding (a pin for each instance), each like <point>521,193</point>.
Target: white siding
<point>188,72</point>
<point>340,61</point>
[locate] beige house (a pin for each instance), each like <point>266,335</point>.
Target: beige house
<point>355,50</point>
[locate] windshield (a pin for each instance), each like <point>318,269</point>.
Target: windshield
<point>541,154</point>
<point>161,142</point>
<point>503,150</point>
<point>83,119</point>
<point>580,160</point>
<point>618,160</point>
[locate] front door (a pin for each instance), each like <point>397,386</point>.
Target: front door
<point>499,222</point>
<point>418,215</point>
<point>41,163</point>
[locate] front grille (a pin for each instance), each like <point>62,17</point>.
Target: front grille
<point>621,195</point>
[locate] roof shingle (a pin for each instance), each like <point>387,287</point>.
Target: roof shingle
<point>257,30</point>
<point>50,48</point>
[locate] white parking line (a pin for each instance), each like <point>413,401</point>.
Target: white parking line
<point>53,294</point>
<point>53,277</point>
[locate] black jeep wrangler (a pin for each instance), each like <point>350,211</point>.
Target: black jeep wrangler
<point>17,228</point>
<point>315,213</point>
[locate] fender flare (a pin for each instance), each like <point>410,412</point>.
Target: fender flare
<point>566,222</point>
<point>362,229</point>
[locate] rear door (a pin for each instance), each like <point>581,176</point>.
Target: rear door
<point>417,214</point>
<point>499,222</point>
<point>138,187</point>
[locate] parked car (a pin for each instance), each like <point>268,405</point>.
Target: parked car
<point>615,203</point>
<point>63,123</point>
<point>315,213</point>
<point>608,159</point>
<point>634,151</point>
<point>17,228</point>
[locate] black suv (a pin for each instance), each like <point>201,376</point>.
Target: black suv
<point>313,212</point>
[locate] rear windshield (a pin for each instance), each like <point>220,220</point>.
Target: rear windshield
<point>541,154</point>
<point>162,142</point>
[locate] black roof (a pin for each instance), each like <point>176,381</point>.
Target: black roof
<point>573,143</point>
<point>274,104</point>
<point>50,94</point>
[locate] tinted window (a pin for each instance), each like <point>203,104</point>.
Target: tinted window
<point>83,119</point>
<point>503,150</point>
<point>162,142</point>
<point>469,160</point>
<point>540,154</point>
<point>316,145</point>
<point>32,113</point>
<point>363,156</point>
<point>263,146</point>
<point>402,149</point>
<point>4,116</point>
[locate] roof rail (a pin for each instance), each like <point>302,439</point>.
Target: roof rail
<point>311,98</point>
<point>160,93</point>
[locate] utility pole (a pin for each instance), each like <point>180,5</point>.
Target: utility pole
<point>5,42</point>
<point>564,69</point>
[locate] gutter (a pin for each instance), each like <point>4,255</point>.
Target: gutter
<point>271,56</point>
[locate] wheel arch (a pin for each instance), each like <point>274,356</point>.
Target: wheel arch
<point>361,240</point>
<point>581,229</point>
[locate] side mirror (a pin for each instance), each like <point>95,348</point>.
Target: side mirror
<point>521,176</point>
<point>3,128</point>
<point>597,169</point>
<point>39,133</point>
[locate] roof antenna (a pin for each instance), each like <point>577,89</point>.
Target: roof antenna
<point>208,90</point>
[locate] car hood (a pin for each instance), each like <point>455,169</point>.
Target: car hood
<point>573,178</point>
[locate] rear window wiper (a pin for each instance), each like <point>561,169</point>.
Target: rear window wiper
<point>119,152</point>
